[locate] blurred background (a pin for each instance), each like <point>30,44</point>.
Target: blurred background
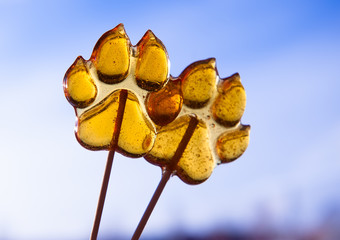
<point>285,186</point>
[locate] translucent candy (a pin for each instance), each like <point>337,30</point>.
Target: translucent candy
<point>160,109</point>
<point>231,145</point>
<point>152,64</point>
<point>217,139</point>
<point>196,163</point>
<point>229,105</point>
<point>198,83</point>
<point>111,55</point>
<point>164,105</point>
<point>80,89</point>
<point>96,126</point>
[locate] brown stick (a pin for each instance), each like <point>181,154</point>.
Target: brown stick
<point>165,177</point>
<point>106,178</point>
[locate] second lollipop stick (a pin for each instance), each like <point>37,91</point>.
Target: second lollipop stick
<point>165,176</point>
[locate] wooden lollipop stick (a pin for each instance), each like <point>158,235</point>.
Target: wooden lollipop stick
<point>113,146</point>
<point>165,177</point>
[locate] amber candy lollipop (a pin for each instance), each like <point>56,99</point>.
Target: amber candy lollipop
<point>197,117</point>
<point>108,92</point>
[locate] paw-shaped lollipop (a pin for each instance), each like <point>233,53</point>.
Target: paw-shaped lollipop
<point>108,93</point>
<point>219,137</point>
<point>93,87</point>
<point>198,126</point>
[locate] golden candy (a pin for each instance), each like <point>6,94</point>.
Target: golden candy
<point>152,64</point>
<point>198,83</point>
<point>220,138</point>
<point>229,106</point>
<point>196,163</point>
<point>164,105</point>
<point>186,124</point>
<point>111,55</point>
<point>79,88</point>
<point>137,134</point>
<point>107,72</point>
<point>231,146</point>
<point>96,127</point>
<point>167,141</point>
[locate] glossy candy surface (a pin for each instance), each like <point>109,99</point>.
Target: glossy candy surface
<point>152,64</point>
<point>81,90</point>
<point>164,105</point>
<point>198,83</point>
<point>158,107</point>
<point>111,55</point>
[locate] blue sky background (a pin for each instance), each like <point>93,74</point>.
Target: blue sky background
<point>288,56</point>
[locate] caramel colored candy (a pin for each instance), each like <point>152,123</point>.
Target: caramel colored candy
<point>96,127</point>
<point>137,135</point>
<point>164,105</point>
<point>196,163</point>
<point>167,141</point>
<point>152,64</point>
<point>111,55</point>
<point>231,145</point>
<point>96,100</point>
<point>79,87</point>
<point>199,83</point>
<point>229,105</point>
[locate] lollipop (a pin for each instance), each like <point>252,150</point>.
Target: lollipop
<point>107,92</point>
<point>125,100</point>
<point>198,126</point>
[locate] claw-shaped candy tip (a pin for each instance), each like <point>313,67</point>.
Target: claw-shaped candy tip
<point>111,55</point>
<point>199,82</point>
<point>152,69</point>
<point>230,103</point>
<point>231,145</point>
<point>78,84</point>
